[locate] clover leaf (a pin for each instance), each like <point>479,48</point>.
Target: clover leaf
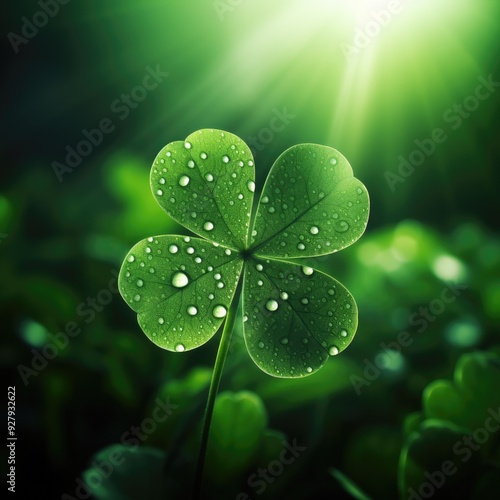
<point>183,288</point>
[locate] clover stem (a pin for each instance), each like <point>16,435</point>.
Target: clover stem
<point>212,392</point>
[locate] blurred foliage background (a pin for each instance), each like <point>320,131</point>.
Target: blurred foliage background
<point>276,74</point>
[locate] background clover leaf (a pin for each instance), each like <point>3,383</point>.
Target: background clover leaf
<point>311,205</point>
<point>206,183</point>
<point>296,317</point>
<point>452,412</point>
<point>180,287</point>
<point>138,474</point>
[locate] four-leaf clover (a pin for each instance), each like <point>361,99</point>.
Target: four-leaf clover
<point>182,287</point>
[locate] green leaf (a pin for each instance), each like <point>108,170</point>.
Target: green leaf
<point>311,205</point>
<point>206,183</point>
<point>180,287</point>
<point>296,317</point>
<point>465,401</point>
<point>454,414</point>
<point>238,423</point>
<point>125,473</point>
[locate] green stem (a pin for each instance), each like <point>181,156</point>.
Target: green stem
<point>212,392</point>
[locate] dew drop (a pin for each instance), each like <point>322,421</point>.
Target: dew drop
<point>131,258</point>
<point>272,305</point>
<point>308,271</point>
<point>333,351</point>
<point>251,186</point>
<point>187,145</point>
<point>180,348</point>
<point>227,252</point>
<point>342,226</point>
<point>259,267</point>
<point>148,250</point>
<point>309,369</point>
<point>184,181</point>
<point>140,283</point>
<point>217,276</point>
<point>179,280</point>
<point>173,248</point>
<point>331,292</point>
<point>314,230</point>
<point>304,301</point>
<point>301,246</point>
<point>265,199</point>
<point>162,181</point>
<point>343,333</point>
<point>284,341</point>
<point>359,191</point>
<point>219,311</point>
<point>209,177</point>
<point>203,156</point>
<point>192,311</point>
<point>261,344</point>
<point>191,164</point>
<point>137,298</point>
<point>284,295</point>
<point>198,260</point>
<point>333,161</point>
<point>159,192</point>
<point>161,321</point>
<point>225,159</point>
<point>208,226</point>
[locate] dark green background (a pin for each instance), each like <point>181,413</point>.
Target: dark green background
<point>64,239</point>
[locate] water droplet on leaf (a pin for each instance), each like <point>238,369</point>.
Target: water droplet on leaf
<point>219,312</point>
<point>184,181</point>
<point>272,305</point>
<point>179,280</point>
